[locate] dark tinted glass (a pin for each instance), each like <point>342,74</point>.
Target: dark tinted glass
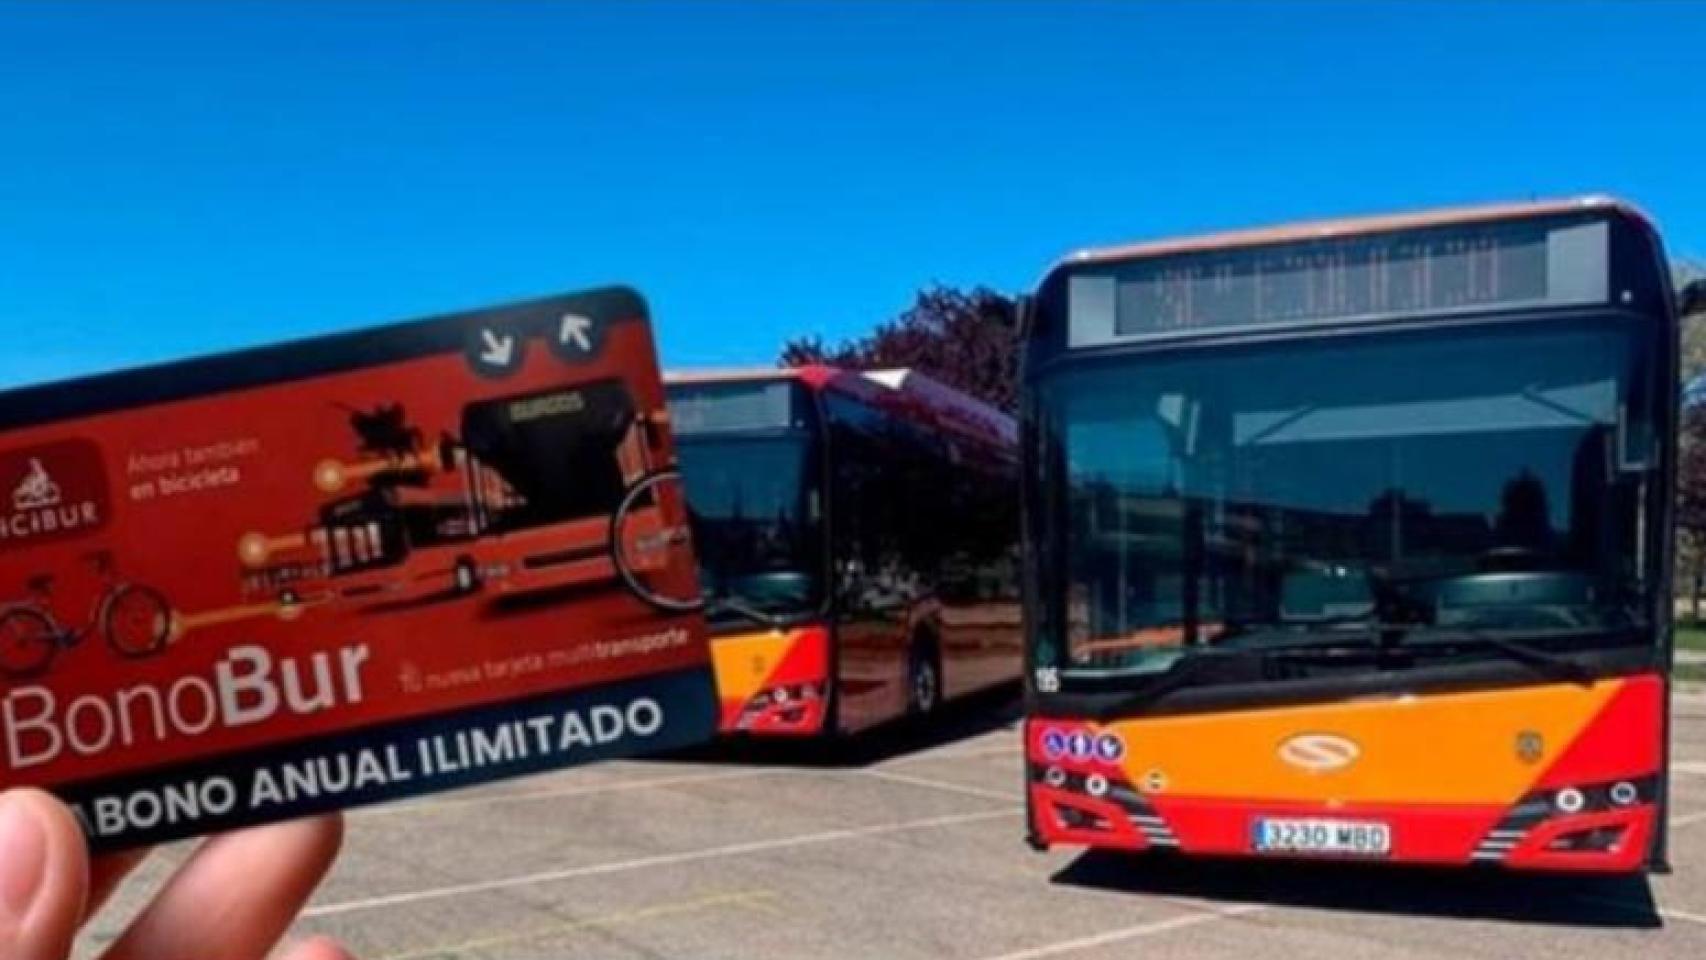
<point>757,520</point>
<point>556,450</point>
<point>918,513</point>
<point>1483,479</point>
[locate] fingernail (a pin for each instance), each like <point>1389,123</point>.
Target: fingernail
<point>23,857</point>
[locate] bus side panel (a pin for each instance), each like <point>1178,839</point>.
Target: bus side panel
<point>981,646</point>
<point>1551,777</point>
<point>971,500</point>
<point>871,661</point>
<point>925,560</point>
<point>875,579</point>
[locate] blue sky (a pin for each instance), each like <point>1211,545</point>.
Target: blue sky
<point>176,179</point>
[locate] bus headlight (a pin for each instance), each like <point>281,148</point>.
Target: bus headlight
<point>1096,785</point>
<point>1570,800</point>
<point>1054,777</point>
<point>1623,793</point>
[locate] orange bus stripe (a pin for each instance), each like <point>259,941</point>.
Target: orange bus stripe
<point>1459,748</point>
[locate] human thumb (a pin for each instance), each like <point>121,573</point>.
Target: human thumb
<point>44,877</point>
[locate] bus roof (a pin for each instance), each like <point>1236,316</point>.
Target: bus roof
<point>1350,226</point>
<point>903,391</point>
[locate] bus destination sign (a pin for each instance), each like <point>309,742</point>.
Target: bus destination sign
<point>1435,271</point>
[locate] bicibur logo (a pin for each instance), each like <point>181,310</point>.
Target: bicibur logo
<point>36,491</point>
<point>56,491</point>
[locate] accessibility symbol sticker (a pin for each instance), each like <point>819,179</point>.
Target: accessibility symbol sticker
<point>1054,744</point>
<point>1080,745</point>
<point>1110,748</point>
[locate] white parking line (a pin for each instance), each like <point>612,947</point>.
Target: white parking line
<point>1124,934</point>
<point>962,789</point>
<point>582,790</point>
<point>1692,767</point>
<point>642,863</point>
<point>756,900</point>
<point>1687,819</point>
<point>1670,914</point>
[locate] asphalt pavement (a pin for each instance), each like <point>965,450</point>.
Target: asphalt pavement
<point>909,844</point>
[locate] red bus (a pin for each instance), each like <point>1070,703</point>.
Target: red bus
<point>857,536</point>
<point>1351,540</point>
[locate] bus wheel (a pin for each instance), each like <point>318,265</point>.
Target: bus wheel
<point>923,677</point>
<point>137,621</point>
<point>466,575</point>
<point>28,643</point>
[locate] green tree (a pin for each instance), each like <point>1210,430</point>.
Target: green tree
<point>1684,272</point>
<point>1691,440</point>
<point>967,339</point>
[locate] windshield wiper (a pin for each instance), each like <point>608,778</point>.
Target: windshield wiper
<point>733,604</point>
<point>1376,639</point>
<point>1393,637</point>
<point>1235,665</point>
<point>1182,673</point>
<point>1545,661</point>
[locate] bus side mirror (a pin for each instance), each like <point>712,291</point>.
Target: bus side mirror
<point>1692,298</point>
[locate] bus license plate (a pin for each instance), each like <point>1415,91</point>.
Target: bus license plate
<point>1356,838</point>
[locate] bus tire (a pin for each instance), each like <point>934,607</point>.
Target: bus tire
<point>923,675</point>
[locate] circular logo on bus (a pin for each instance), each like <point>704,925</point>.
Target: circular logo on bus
<point>1110,748</point>
<point>1319,752</point>
<point>1530,746</point>
<point>1054,744</point>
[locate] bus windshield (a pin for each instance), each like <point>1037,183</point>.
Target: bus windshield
<point>757,525</point>
<point>1338,493</point>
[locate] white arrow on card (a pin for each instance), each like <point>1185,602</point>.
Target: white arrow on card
<point>575,329</point>
<point>499,350</point>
